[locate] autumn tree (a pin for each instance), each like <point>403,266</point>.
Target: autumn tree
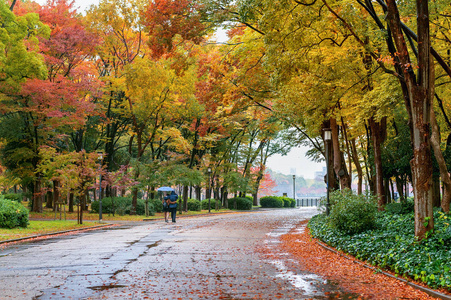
<point>20,61</point>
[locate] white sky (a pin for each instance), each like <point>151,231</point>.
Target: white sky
<point>295,159</point>
<point>82,4</point>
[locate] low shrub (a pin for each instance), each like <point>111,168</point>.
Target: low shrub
<point>276,202</point>
<point>240,203</point>
<point>213,202</point>
<point>288,202</point>
<point>194,205</point>
<point>271,202</point>
<point>157,205</point>
<point>293,203</point>
<point>401,208</point>
<point>13,214</point>
<point>120,206</point>
<point>12,197</point>
<point>352,213</point>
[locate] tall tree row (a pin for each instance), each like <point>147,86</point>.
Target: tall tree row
<point>143,84</point>
<point>334,64</point>
<point>138,87</point>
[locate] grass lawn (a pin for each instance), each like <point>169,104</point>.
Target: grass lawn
<point>42,227</point>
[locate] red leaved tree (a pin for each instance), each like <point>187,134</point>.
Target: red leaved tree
<point>164,19</point>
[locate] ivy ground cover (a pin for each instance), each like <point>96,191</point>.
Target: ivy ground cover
<point>392,246</point>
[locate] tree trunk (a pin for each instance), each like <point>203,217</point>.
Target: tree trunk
<point>257,186</point>
<point>392,188</point>
<point>216,189</point>
<point>388,197</point>
<point>135,194</point>
<point>81,205</point>
<point>444,174</point>
<point>338,161</point>
<point>71,202</point>
<point>400,188</point>
<point>87,199</point>
<point>436,201</point>
<point>377,137</point>
<point>185,198</point>
<point>224,195</point>
<point>355,158</point>
<point>37,199</point>
<point>198,193</point>
<point>418,100</point>
<point>348,149</point>
<point>49,200</point>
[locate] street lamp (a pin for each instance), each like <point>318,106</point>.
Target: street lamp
<point>100,185</point>
<point>294,187</point>
<point>209,191</point>
<point>327,138</point>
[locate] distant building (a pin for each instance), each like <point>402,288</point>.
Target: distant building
<point>321,174</point>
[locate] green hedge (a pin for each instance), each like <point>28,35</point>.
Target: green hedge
<point>213,202</point>
<point>392,245</point>
<point>13,214</point>
<point>271,201</point>
<point>288,202</point>
<point>242,203</point>
<point>277,202</point>
<point>194,205</point>
<point>120,206</point>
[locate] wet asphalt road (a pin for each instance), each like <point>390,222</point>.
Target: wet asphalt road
<point>215,257</point>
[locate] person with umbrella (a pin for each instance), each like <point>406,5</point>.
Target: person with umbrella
<point>166,208</point>
<point>172,201</point>
<point>165,200</point>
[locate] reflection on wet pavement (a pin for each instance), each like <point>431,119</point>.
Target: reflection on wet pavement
<point>312,285</point>
<point>215,257</point>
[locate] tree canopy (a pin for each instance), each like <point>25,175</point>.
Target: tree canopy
<point>143,83</point>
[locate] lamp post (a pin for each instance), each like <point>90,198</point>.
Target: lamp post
<point>327,138</point>
<point>100,185</point>
<point>294,187</point>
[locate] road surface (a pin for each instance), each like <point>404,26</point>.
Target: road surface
<point>227,256</point>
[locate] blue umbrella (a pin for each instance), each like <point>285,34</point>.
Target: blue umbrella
<point>165,189</point>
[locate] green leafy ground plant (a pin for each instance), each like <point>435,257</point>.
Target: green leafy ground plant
<point>392,245</point>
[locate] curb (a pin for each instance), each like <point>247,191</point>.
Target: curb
<point>428,291</point>
<point>55,233</point>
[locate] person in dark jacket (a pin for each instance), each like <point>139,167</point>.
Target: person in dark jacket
<point>166,208</point>
<point>172,201</point>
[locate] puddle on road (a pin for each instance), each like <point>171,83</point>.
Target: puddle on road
<point>307,282</point>
<point>311,284</point>
<point>153,245</point>
<point>106,287</point>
